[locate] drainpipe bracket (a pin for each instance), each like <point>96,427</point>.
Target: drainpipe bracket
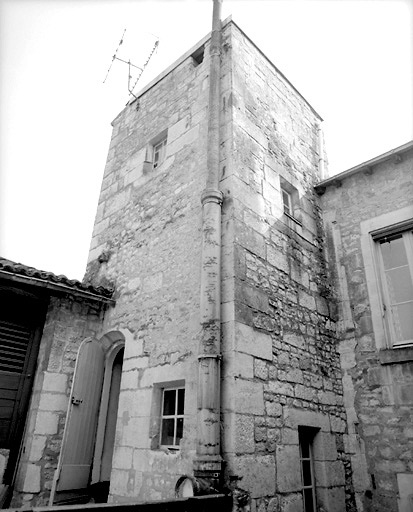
<point>211,195</point>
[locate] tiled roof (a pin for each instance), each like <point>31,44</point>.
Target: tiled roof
<point>33,276</point>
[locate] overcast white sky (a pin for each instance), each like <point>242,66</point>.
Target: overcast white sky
<point>351,59</point>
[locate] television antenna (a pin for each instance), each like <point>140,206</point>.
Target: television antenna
<point>131,65</point>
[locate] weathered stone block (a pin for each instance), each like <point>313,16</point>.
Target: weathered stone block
<point>288,469</point>
<point>53,402</point>
<point>31,481</point>
<point>253,342</point>
<point>56,382</point>
<point>249,397</point>
<point>329,473</point>
<point>261,481</point>
<point>333,500</point>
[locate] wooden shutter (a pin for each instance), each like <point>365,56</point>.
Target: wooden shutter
<point>81,423</point>
<point>14,351</point>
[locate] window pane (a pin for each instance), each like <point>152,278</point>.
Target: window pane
<point>167,434</point>
<point>394,253</point>
<point>400,284</point>
<point>308,500</point>
<point>181,400</point>
<point>306,465</point>
<point>179,429</point>
<point>169,402</point>
<point>403,321</point>
<point>305,447</point>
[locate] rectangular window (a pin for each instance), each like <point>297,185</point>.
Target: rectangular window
<point>395,258</point>
<point>172,417</point>
<point>159,152</point>
<point>305,438</point>
<point>287,202</point>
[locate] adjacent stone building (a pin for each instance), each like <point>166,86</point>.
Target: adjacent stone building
<point>368,213</point>
<point>239,348</point>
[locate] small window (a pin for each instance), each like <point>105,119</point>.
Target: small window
<point>172,417</point>
<point>198,56</point>
<point>395,258</point>
<point>287,202</point>
<point>159,152</point>
<point>305,438</point>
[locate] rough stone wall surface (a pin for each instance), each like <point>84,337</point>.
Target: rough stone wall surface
<point>378,395</point>
<point>148,231</point>
<point>281,367</point>
<point>68,323</point>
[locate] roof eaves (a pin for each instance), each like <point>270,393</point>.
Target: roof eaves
<point>366,167</point>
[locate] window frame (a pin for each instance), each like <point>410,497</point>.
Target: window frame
<point>307,435</point>
<point>176,416</point>
<point>161,144</point>
<point>406,234</point>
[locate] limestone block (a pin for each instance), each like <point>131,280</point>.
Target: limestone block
<point>31,482</point>
<point>297,340</point>
<point>292,503</point>
<point>249,239</point>
<point>46,423</point>
<point>134,348</point>
<point>277,258</point>
<point>178,129</point>
<point>253,342</point>
<point>405,485</point>
<point>135,363</point>
<point>244,434</point>
<point>37,447</point>
<point>189,137</point>
<point>329,473</point>
<point>306,300</point>
<point>298,417</point>
<point>249,397</point>
<point>271,194</point>
<point>117,202</point>
<point>122,457</point>
<point>324,446</point>
<point>130,379</point>
<point>333,500</point>
<point>136,401</point>
<point>53,402</point>
<point>289,436</point>
<point>56,382</point>
<point>237,364</point>
<point>135,434</point>
<point>361,476</point>
<point>257,473</point>
<point>288,468</point>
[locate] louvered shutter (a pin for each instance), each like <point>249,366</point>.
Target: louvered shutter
<point>14,350</point>
<point>81,423</point>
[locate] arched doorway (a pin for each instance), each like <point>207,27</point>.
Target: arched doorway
<point>85,460</point>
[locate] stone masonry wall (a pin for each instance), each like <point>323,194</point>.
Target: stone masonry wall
<point>281,367</point>
<point>69,321</point>
<point>378,395</point>
<point>147,241</point>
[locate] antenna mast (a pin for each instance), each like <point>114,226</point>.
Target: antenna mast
<point>130,65</point>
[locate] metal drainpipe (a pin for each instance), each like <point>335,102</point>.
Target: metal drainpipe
<point>208,462</point>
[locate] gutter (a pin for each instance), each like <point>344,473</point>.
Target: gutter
<point>366,167</point>
<point>54,287</point>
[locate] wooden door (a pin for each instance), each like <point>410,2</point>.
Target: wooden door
<point>81,423</point>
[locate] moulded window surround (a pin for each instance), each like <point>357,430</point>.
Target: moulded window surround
<point>380,283</point>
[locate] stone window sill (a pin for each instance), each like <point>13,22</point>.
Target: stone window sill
<point>396,355</point>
